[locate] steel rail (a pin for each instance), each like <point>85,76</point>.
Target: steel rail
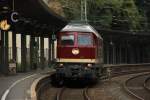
<point>130,91</point>
<point>145,84</point>
<point>38,84</point>
<point>59,94</point>
<point>111,71</point>
<point>85,94</point>
<point>61,91</point>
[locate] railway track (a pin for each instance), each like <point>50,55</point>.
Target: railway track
<point>147,84</point>
<point>135,86</point>
<point>72,94</point>
<point>124,69</point>
<point>81,94</point>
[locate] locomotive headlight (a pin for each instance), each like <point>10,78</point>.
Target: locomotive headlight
<point>75,51</point>
<point>61,65</point>
<point>89,65</point>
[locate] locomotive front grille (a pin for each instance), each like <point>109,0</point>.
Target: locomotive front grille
<point>75,69</point>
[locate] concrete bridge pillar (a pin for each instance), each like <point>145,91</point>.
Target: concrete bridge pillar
<point>28,52</point>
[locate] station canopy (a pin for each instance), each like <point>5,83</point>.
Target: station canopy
<point>36,17</point>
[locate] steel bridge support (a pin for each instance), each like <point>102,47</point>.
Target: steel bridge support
<point>50,51</point>
<point>23,52</point>
<point>32,64</point>
<point>53,53</point>
<point>14,50</point>
<point>0,51</point>
<point>4,68</point>
<point>42,59</point>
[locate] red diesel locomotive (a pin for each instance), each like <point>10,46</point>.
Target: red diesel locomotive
<point>79,52</point>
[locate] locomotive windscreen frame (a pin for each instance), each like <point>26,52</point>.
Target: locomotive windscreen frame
<point>79,52</point>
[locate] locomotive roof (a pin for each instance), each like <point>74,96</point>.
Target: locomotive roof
<point>80,28</point>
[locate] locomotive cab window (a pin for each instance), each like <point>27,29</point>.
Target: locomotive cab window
<point>67,39</point>
<point>85,40</point>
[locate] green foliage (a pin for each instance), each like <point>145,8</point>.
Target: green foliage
<point>132,14</point>
<point>71,8</point>
<point>110,14</point>
<point>118,14</point>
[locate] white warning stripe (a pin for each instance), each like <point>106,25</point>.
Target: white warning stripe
<point>18,81</point>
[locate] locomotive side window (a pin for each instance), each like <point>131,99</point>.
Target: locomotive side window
<point>85,39</point>
<point>67,39</point>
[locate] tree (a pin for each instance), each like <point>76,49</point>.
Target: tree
<point>67,8</point>
<point>118,14</point>
<point>127,15</point>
